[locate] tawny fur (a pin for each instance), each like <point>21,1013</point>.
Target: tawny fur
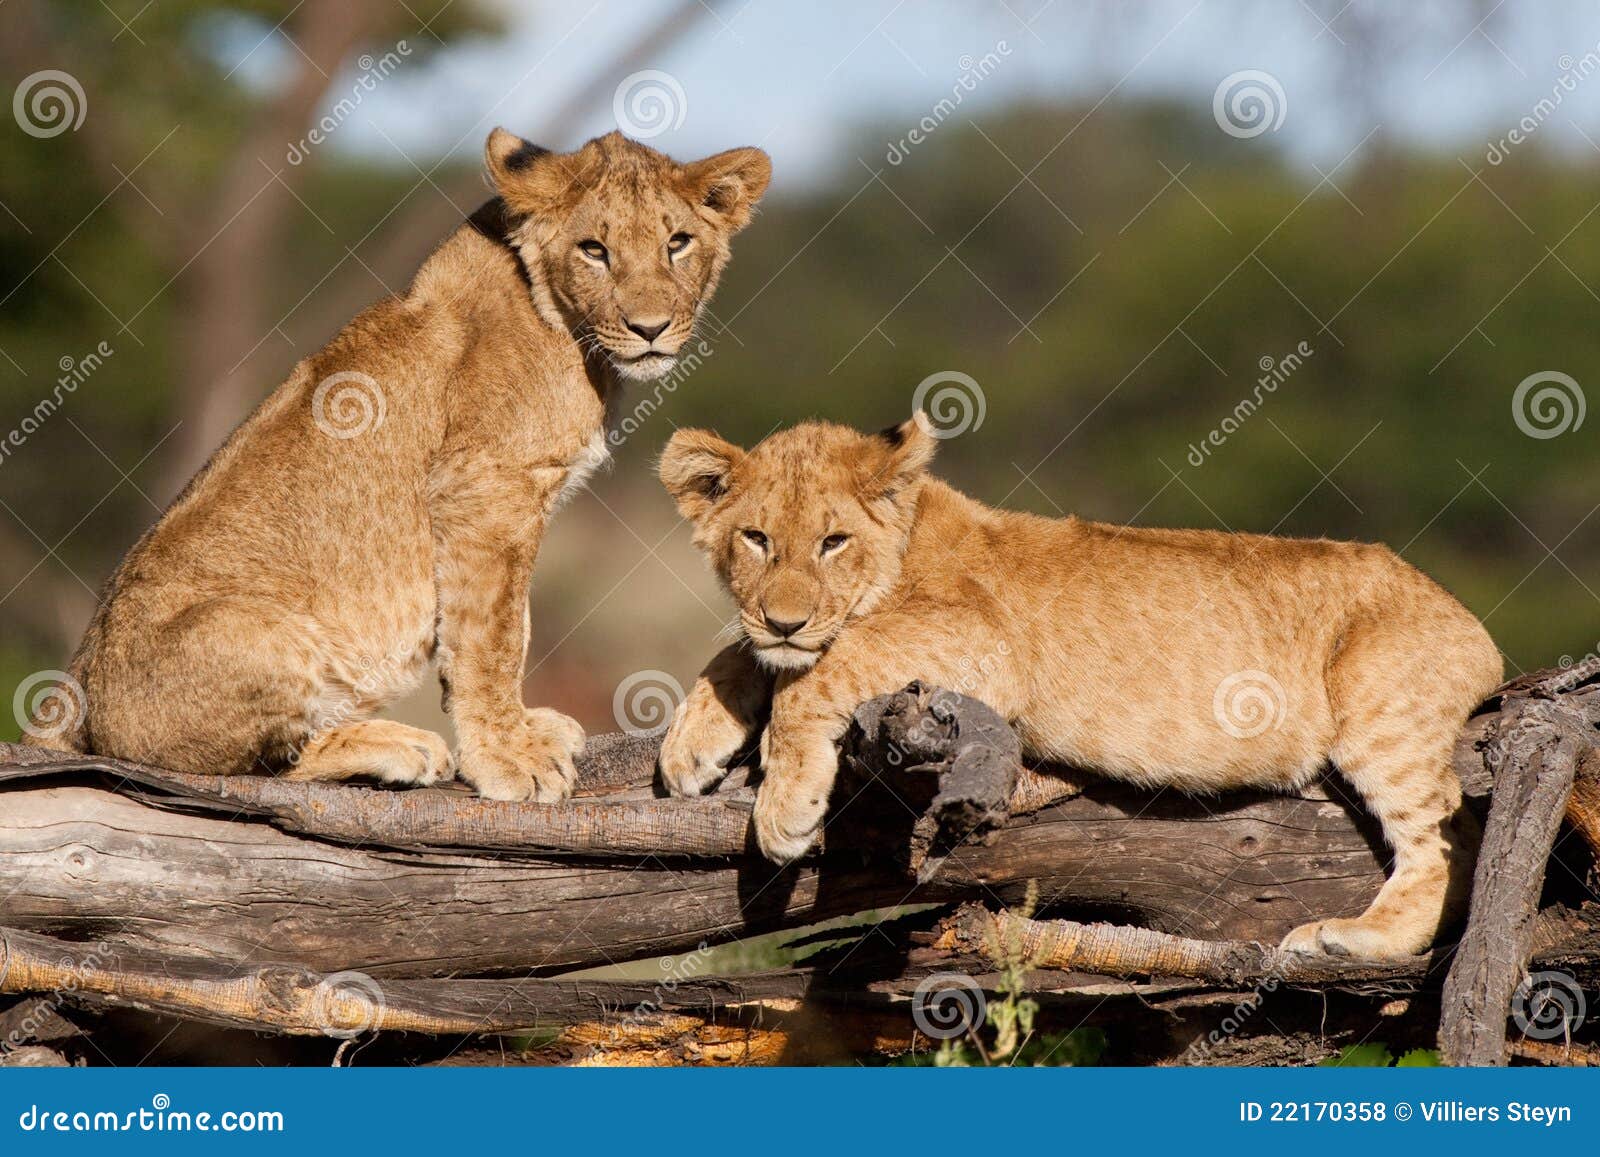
<point>353,529</point>
<point>1197,660</point>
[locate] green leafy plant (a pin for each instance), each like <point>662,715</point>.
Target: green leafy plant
<point>1374,1055</point>
<point>1008,1036</point>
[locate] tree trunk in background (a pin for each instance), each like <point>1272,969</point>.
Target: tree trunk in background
<point>227,281</point>
<point>234,353</point>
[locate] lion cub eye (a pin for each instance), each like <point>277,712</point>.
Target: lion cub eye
<point>833,543</point>
<point>678,242</point>
<point>756,539</point>
<point>594,250</point>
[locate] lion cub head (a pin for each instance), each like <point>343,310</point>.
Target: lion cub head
<point>623,245</point>
<point>807,531</point>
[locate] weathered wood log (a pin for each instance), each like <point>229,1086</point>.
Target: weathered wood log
<point>434,883</point>
<point>82,861</point>
<point>1535,751</point>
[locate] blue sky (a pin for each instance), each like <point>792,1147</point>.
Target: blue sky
<point>800,79</point>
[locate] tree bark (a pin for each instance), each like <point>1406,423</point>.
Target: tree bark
<point>1536,750</point>
<point>234,898</point>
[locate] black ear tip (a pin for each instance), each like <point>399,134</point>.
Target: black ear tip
<point>524,155</point>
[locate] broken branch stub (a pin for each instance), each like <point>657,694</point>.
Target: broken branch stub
<point>952,763</point>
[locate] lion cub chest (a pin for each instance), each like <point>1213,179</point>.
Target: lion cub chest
<point>591,456</point>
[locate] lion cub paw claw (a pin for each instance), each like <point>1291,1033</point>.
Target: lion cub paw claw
<point>1347,937</point>
<point>785,835</point>
<point>534,762</point>
<point>689,767</point>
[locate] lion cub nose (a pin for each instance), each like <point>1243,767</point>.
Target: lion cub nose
<point>649,330</point>
<point>784,627</point>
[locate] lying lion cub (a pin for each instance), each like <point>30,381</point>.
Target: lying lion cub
<point>1192,659</point>
<point>384,506</point>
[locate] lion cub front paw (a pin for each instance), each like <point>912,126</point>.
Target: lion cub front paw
<point>787,823</point>
<point>697,748</point>
<point>1366,939</point>
<point>532,760</point>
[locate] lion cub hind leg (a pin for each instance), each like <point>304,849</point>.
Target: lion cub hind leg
<point>1399,710</point>
<point>381,748</point>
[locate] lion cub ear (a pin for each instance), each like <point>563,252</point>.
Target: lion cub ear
<point>905,450</point>
<point>729,184</point>
<point>694,468</point>
<point>532,180</point>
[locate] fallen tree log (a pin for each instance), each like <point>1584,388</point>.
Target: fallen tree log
<point>168,874</point>
<point>240,875</point>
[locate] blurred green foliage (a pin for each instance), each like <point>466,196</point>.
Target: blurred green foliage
<point>1425,294</point>
<point>1112,281</point>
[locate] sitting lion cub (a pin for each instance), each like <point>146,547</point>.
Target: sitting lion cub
<point>383,507</point>
<point>1185,658</point>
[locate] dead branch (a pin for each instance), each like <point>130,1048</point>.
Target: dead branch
<point>1118,950</point>
<point>1535,752</point>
